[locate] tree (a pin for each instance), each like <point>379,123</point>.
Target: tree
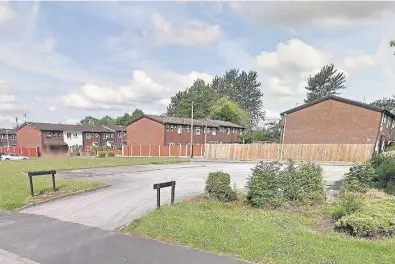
<point>386,103</point>
<point>243,88</point>
<point>89,120</point>
<point>200,94</point>
<point>108,120</point>
<point>392,43</point>
<point>136,114</point>
<point>227,110</point>
<point>327,82</point>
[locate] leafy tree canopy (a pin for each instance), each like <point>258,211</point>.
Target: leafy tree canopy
<point>386,103</point>
<point>326,82</point>
<point>227,110</point>
<point>108,120</point>
<point>271,133</point>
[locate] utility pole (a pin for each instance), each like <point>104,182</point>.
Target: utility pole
<point>8,141</point>
<point>192,132</point>
<point>205,133</point>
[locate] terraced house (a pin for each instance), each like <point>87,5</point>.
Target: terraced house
<point>168,131</point>
<point>7,137</point>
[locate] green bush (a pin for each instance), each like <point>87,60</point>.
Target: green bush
<point>349,204</point>
<point>377,218</point>
<point>385,172</point>
<point>362,173</point>
<point>390,189</point>
<point>263,186</point>
<point>354,186</point>
<point>303,183</point>
<point>111,154</point>
<point>218,186</point>
<point>102,154</point>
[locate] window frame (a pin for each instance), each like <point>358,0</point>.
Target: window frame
<point>179,130</point>
<point>214,131</point>
<point>75,135</point>
<point>88,136</point>
<point>197,130</point>
<point>68,135</point>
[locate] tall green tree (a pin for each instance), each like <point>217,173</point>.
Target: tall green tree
<point>202,96</point>
<point>327,82</point>
<point>243,88</point>
<point>386,103</point>
<point>108,120</point>
<point>392,44</point>
<point>136,114</point>
<point>227,110</point>
<point>89,120</point>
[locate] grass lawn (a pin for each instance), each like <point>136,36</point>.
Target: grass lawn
<point>14,183</point>
<point>264,236</point>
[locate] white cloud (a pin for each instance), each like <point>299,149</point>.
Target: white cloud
<point>358,62</point>
<point>146,88</point>
<point>195,33</point>
<point>6,12</point>
<point>320,13</point>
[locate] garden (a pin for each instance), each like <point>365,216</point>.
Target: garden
<point>285,217</point>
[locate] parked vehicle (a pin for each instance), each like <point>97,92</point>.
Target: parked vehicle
<point>12,156</point>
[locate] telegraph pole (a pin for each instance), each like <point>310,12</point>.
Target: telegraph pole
<point>192,132</point>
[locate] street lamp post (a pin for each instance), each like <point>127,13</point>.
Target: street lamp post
<point>8,141</point>
<point>122,135</point>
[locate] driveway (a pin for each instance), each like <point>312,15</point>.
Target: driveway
<point>131,194</point>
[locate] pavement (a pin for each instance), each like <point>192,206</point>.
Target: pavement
<point>33,239</point>
<point>131,194</point>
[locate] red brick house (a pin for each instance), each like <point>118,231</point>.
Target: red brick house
<point>337,120</point>
<point>119,138</point>
<point>7,137</point>
<point>165,130</point>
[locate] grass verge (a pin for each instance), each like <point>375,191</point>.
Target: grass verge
<point>264,236</point>
<point>14,183</point>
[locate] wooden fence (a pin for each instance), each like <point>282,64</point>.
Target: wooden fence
<point>162,151</point>
<point>24,151</point>
<point>297,152</point>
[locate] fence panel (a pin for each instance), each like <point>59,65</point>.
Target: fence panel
<point>298,152</point>
<point>25,151</point>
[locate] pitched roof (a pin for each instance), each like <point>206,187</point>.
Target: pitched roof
<point>340,99</point>
<point>187,121</point>
<point>116,127</point>
<point>66,127</point>
<point>4,131</point>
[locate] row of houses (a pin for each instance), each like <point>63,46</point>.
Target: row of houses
<point>146,130</point>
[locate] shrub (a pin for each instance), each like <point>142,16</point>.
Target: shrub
<point>303,183</point>
<point>348,205</point>
<point>385,171</point>
<point>102,154</point>
<point>354,186</point>
<point>263,186</point>
<point>362,173</point>
<point>390,189</point>
<point>218,186</point>
<point>111,154</point>
<point>376,218</point>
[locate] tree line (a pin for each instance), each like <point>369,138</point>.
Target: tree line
<point>123,120</point>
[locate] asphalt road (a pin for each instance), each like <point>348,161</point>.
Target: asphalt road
<point>131,194</point>
<point>33,239</point>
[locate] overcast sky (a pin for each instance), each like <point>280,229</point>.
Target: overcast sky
<point>62,61</point>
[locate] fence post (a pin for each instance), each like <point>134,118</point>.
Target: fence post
<point>169,150</point>
<point>173,190</point>
<point>186,150</point>
<point>28,151</point>
<point>149,151</point>
<point>140,150</point>
<point>131,150</point>
<point>159,150</point>
<point>201,150</point>
<point>123,150</point>
<point>179,150</point>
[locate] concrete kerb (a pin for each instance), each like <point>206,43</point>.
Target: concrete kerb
<point>328,163</point>
<point>62,196</point>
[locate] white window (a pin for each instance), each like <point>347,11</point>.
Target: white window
<point>1,136</point>
<point>13,137</point>
<point>187,129</point>
<point>60,134</point>
<point>197,130</point>
<point>167,128</point>
<point>49,134</point>
<point>88,135</point>
<point>388,121</point>
<point>233,130</point>
<point>208,130</point>
<point>241,131</point>
<point>68,135</point>
<point>96,135</point>
<point>214,131</point>
<point>228,131</point>
<point>75,135</point>
<point>171,128</point>
<point>112,135</point>
<point>179,130</point>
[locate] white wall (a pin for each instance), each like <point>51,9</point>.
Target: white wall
<point>73,140</point>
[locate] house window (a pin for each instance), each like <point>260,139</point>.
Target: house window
<point>60,134</point>
<point>233,130</point>
<point>13,137</point>
<point>96,135</point>
<point>49,134</point>
<point>112,135</point>
<point>179,131</point>
<point>187,129</point>
<point>120,134</point>
<point>1,136</point>
<point>228,131</point>
<point>241,131</point>
<point>167,128</point>
<point>197,130</point>
<point>208,130</point>
<point>68,135</point>
<point>171,128</point>
<point>87,136</point>
<point>214,131</point>
<point>75,135</point>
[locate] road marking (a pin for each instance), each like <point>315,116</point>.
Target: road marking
<point>10,258</point>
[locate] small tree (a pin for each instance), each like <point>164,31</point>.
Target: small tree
<point>327,82</point>
<point>227,110</point>
<point>392,43</point>
<point>386,103</point>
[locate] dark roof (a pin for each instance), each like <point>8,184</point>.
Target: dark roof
<point>55,143</point>
<point>187,121</point>
<point>340,99</point>
<point>4,131</point>
<point>66,127</point>
<point>116,128</point>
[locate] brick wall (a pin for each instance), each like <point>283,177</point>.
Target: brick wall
<point>88,142</point>
<point>28,136</point>
<point>145,132</point>
<point>332,122</point>
<point>11,140</point>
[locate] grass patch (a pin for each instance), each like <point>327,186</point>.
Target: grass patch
<point>14,183</point>
<point>264,236</point>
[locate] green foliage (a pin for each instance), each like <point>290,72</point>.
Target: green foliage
<point>107,120</point>
<point>392,44</point>
<point>110,154</point>
<point>218,186</point>
<point>227,110</point>
<point>303,183</point>
<point>386,172</point>
<point>349,204</point>
<point>327,82</point>
<point>268,185</point>
<point>362,173</point>
<point>102,154</point>
<point>376,217</point>
<point>271,133</point>
<point>241,87</point>
<point>390,148</point>
<point>76,151</point>
<point>386,103</point>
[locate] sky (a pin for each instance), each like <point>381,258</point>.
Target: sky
<point>62,61</point>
